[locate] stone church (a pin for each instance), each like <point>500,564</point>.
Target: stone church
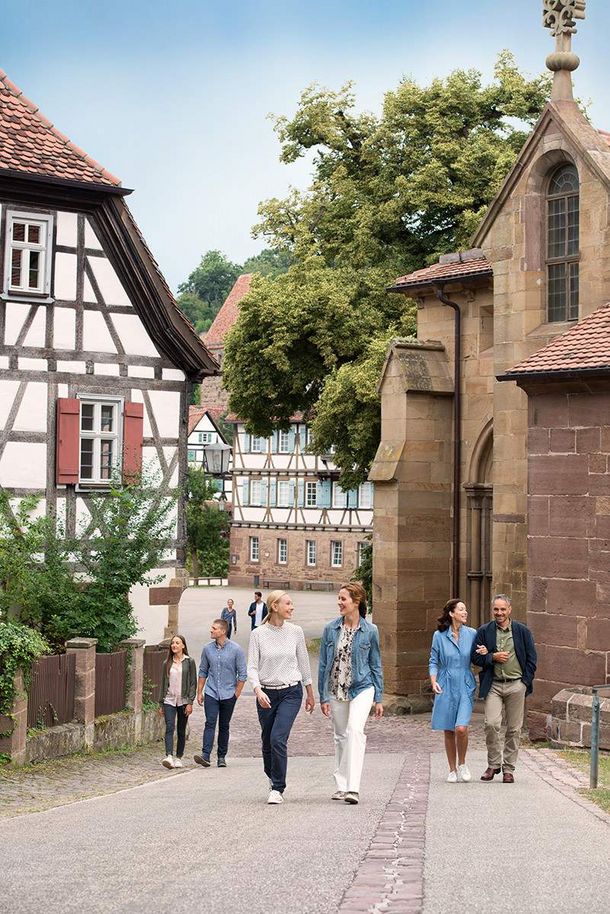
<point>492,474</point>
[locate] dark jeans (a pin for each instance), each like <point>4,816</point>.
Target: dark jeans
<point>221,711</point>
<point>171,713</point>
<point>276,723</point>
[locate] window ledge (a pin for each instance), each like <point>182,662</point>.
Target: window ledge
<point>39,298</point>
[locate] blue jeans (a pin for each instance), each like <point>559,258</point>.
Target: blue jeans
<point>276,723</point>
<point>221,711</point>
<point>171,712</point>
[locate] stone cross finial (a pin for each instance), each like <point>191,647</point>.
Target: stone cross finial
<point>560,16</point>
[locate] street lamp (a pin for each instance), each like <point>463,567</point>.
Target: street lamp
<point>216,461</point>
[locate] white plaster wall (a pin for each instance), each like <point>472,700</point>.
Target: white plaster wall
<point>65,276</point>
<point>88,293</point>
<point>32,364</point>
<point>72,367</point>
<point>134,335</point>
<point>67,229</point>
<point>96,337</point>
<point>32,415</point>
<point>150,459</point>
<point>8,389</point>
<point>169,453</point>
<point>24,465</point>
<point>108,282</point>
<point>64,328</point>
<point>166,409</point>
<point>16,313</point>
<point>91,239</point>
<point>3,361</point>
<point>140,371</point>
<point>107,368</point>
<point>173,374</point>
<point>36,333</point>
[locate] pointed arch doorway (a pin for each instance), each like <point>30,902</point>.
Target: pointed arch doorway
<point>479,507</point>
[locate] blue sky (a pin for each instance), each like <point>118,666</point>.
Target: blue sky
<point>174,97</point>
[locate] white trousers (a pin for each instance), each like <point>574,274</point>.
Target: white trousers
<point>349,720</point>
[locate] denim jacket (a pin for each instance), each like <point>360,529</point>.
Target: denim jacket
<point>366,659</point>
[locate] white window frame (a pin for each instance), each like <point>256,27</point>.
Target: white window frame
<point>45,222</point>
<point>97,435</point>
<point>255,549</point>
<point>311,553</point>
<point>362,501</point>
<point>283,442</point>
<point>309,488</point>
<point>336,554</point>
<point>282,552</point>
<point>339,496</point>
<point>256,493</point>
<point>258,445</point>
<point>206,437</point>
<point>283,502</point>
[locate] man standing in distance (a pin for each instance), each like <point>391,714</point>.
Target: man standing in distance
<point>506,679</point>
<point>258,609</point>
<point>222,673</point>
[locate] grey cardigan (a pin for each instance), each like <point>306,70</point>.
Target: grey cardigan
<point>189,681</point>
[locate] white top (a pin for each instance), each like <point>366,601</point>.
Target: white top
<point>174,691</point>
<point>258,613</point>
<point>277,656</point>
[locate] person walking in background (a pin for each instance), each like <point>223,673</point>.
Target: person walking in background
<point>229,616</point>
<point>278,668</point>
<point>508,670</point>
<point>178,690</point>
<point>350,681</point>
<point>258,610</point>
<point>222,673</point>
<point>453,684</point>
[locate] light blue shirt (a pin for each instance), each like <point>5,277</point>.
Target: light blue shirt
<point>222,667</point>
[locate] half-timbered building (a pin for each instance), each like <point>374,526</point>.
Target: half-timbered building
<point>203,430</point>
<point>96,360</point>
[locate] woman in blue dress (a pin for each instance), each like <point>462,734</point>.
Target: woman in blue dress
<point>453,684</point>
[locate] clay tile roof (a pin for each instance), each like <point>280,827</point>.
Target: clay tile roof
<point>444,271</point>
<point>583,348</point>
<point>229,312</point>
<point>196,414</point>
<point>30,143</point>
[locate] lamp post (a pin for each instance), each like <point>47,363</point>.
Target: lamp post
<point>216,462</point>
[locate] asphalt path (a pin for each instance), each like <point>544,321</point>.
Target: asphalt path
<point>511,847</point>
<point>204,840</point>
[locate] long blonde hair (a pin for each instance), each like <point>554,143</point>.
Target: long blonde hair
<point>272,600</point>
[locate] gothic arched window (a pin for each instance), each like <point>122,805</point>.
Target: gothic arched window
<point>562,236</point>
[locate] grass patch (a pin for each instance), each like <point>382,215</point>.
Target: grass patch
<point>313,645</point>
<point>581,759</point>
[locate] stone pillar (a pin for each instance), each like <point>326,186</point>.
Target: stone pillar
<point>170,595</point>
<point>84,686</point>
<point>16,726</point>
<point>134,673</point>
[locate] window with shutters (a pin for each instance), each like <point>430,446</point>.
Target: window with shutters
<point>562,244</point>
<point>339,496</point>
<point>310,551</point>
<point>282,551</point>
<point>256,492</point>
<point>283,442</point>
<point>27,260</point>
<point>283,493</point>
<point>206,437</point>
<point>365,495</point>
<point>254,549</point>
<point>258,445</point>
<point>336,553</point>
<point>100,440</point>
<point>311,494</point>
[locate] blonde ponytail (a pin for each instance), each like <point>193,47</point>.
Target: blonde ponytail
<point>272,600</point>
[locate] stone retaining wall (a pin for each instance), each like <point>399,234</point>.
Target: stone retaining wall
<point>570,719</point>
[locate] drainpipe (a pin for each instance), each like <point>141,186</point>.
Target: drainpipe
<point>457,435</point>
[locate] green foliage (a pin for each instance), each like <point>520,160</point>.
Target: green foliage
<point>269,263</point>
<point>364,571</point>
<point>389,193</point>
<point>131,527</point>
<point>207,527</point>
<point>206,288</point>
<point>19,647</point>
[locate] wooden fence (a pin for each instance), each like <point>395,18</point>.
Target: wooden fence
<point>110,682</point>
<point>51,691</point>
<point>153,672</point>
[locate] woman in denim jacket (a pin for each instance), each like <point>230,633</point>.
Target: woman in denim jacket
<point>350,681</point>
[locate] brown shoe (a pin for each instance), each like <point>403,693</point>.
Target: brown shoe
<point>508,778</point>
<point>490,773</point>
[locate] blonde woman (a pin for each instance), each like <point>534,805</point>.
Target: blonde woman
<point>178,690</point>
<point>278,668</point>
<point>350,681</point>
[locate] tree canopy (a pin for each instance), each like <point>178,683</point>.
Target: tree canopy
<point>388,194</point>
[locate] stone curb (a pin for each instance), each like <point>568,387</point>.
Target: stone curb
<point>563,777</point>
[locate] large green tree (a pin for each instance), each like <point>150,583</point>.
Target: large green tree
<point>389,193</point>
<point>206,288</point>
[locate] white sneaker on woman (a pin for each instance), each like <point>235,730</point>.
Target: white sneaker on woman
<point>177,763</point>
<point>464,773</point>
<point>168,762</point>
<point>452,777</point>
<point>275,798</point>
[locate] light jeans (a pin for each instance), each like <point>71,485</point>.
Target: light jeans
<point>510,698</point>
<point>349,720</point>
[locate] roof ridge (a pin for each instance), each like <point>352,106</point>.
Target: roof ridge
<point>34,110</point>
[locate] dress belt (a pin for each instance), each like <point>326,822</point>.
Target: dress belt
<point>288,685</point>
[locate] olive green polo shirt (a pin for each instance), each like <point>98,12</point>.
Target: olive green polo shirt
<point>504,642</point>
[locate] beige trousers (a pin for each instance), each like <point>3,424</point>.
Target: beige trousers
<point>507,697</point>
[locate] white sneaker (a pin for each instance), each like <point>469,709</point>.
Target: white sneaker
<point>275,798</point>
<point>177,763</point>
<point>338,795</point>
<point>168,762</point>
<point>464,773</point>
<point>452,777</point>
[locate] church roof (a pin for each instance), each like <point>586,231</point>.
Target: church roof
<point>31,144</point>
<point>450,268</point>
<point>584,348</point>
<point>228,313</point>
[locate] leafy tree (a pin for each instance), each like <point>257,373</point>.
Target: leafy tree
<point>269,262</point>
<point>389,193</point>
<point>206,288</point>
<point>207,527</point>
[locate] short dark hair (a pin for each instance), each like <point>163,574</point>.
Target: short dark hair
<point>257,593</point>
<point>444,620</point>
<point>222,623</point>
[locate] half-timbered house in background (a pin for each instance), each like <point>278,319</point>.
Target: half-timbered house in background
<point>203,430</point>
<point>96,360</point>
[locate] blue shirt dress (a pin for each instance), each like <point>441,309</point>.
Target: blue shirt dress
<point>450,661</point>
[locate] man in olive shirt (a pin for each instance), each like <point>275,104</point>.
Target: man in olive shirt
<point>506,678</point>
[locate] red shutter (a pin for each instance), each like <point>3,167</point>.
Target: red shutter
<point>67,445</point>
<point>133,436</point>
